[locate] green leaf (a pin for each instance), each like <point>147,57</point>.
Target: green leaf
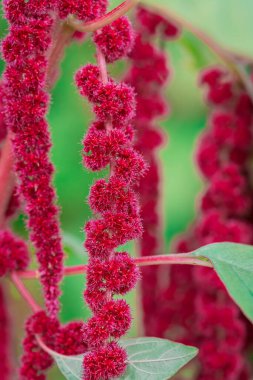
<point>149,359</point>
<point>70,366</point>
<point>228,22</point>
<point>234,266</point>
<point>155,359</point>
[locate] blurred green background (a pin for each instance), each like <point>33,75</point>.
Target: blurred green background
<point>69,118</point>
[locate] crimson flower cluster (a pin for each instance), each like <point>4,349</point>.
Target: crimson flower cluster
<point>66,340</point>
<point>223,154</point>
<point>226,215</point>
<point>153,24</point>
<point>84,10</point>
<point>109,143</point>
<point>25,51</point>
<point>14,254</point>
<point>148,74</point>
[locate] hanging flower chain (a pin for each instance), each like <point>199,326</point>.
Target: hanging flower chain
<point>149,74</point>
<point>25,51</point>
<point>223,155</point>
<point>109,142</point>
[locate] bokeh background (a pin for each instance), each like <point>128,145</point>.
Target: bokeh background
<point>69,118</point>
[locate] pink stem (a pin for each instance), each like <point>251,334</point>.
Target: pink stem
<point>24,292</point>
<point>63,36</point>
<point>104,77</point>
<point>171,259</point>
<point>102,66</point>
<point>29,274</point>
<point>181,259</point>
<point>111,16</point>
<point>7,178</point>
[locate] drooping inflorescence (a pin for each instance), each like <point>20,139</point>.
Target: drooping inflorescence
<point>109,143</point>
<point>226,215</point>
<point>25,51</point>
<point>148,74</point>
<point>223,155</point>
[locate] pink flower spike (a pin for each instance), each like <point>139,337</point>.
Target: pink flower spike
<point>109,142</point>
<point>26,51</point>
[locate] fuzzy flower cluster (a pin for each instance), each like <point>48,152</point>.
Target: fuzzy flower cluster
<point>109,143</point>
<point>25,51</point>
<point>223,153</point>
<point>226,215</point>
<point>84,10</point>
<point>148,74</point>
<point>14,255</point>
<point>66,340</point>
<point>153,24</point>
<point>115,40</point>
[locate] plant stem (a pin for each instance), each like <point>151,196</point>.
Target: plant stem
<point>7,178</point>
<point>24,292</point>
<point>100,22</point>
<point>102,66</point>
<point>248,84</point>
<point>231,60</point>
<point>181,259</point>
<point>62,37</point>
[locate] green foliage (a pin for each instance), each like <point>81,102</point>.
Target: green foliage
<point>70,366</point>
<point>228,22</point>
<point>149,359</point>
<point>234,266</point>
<point>155,359</point>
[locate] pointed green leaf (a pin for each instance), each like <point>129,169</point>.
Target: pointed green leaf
<point>155,359</point>
<point>149,359</point>
<point>234,266</point>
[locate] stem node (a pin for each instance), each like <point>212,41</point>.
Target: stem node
<point>100,22</point>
